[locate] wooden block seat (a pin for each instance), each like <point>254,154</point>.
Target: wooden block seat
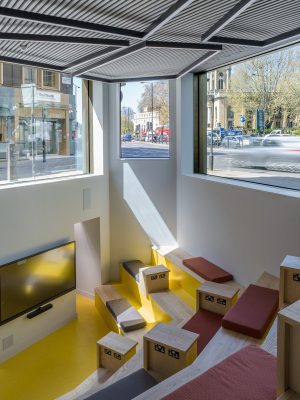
<point>133,268</point>
<point>128,318</point>
<point>115,350</point>
<point>207,270</point>
<point>249,374</point>
<point>206,324</point>
<point>253,312</point>
<point>154,279</point>
<point>127,388</point>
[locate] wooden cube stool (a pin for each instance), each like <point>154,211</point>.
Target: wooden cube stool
<point>288,349</point>
<point>114,351</point>
<point>168,349</point>
<point>154,279</point>
<point>289,280</point>
<point>216,297</point>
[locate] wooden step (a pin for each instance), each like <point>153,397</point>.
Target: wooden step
<point>125,315</point>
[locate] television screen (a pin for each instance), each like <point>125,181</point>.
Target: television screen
<point>28,283</point>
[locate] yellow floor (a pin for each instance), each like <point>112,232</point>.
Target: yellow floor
<point>58,363</point>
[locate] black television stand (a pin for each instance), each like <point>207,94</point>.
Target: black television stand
<point>39,311</point>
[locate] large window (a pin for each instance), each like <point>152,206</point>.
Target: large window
<point>254,110</point>
<point>144,120</point>
<point>41,131</point>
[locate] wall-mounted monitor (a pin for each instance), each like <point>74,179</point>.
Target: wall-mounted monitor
<point>35,280</point>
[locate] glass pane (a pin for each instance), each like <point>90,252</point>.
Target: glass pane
<point>254,110</point>
<point>144,127</point>
<point>41,131</point>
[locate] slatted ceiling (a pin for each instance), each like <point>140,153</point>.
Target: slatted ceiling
<point>109,12</point>
<point>194,20</point>
<point>265,19</point>
<point>228,56</point>
<point>146,62</point>
<point>51,53</point>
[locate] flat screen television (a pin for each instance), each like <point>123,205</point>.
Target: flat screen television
<point>35,280</point>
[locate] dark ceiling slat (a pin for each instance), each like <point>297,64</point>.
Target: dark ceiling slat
<point>282,36</point>
<point>198,62</point>
<point>242,42</point>
<point>69,23</point>
<point>182,45</point>
<point>227,18</point>
<point>21,37</point>
<point>30,63</point>
<point>174,10</point>
<point>119,55</point>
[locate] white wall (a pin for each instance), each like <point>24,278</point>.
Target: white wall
<point>245,229</point>
<point>142,195</point>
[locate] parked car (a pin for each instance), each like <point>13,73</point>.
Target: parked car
<point>127,137</point>
<point>235,142</point>
<point>216,138</point>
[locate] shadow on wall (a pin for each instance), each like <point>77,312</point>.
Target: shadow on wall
<point>144,210</point>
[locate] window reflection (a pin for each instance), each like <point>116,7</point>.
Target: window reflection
<point>41,129</point>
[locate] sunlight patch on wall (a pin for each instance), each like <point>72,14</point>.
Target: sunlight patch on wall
<point>145,212</point>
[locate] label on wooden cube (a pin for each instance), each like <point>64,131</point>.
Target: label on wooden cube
<point>221,301</point>
<point>209,298</point>
<point>107,351</point>
<point>174,353</point>
<point>117,356</point>
<point>296,277</point>
<point>160,348</point>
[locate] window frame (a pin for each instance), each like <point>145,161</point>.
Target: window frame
<point>23,75</point>
<point>56,75</point>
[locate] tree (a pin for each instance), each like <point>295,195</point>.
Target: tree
<point>160,101</point>
<point>126,119</point>
<point>267,83</point>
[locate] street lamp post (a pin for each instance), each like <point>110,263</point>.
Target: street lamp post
<point>211,155</point>
<point>263,98</point>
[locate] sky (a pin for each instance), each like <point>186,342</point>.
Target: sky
<point>131,93</point>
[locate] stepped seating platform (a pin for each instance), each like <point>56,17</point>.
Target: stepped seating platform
<point>223,344</point>
<point>249,374</point>
<point>126,388</point>
<point>125,315</point>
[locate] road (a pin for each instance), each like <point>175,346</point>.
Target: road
<point>223,165</point>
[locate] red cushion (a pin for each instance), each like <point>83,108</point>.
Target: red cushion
<point>207,270</point>
<point>253,312</point>
<point>206,324</point>
<point>249,374</point>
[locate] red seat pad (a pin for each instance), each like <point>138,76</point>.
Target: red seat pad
<point>206,324</point>
<point>253,312</point>
<point>207,270</point>
<point>249,374</point>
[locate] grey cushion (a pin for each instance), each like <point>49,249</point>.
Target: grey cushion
<point>127,388</point>
<point>127,316</point>
<point>133,267</point>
